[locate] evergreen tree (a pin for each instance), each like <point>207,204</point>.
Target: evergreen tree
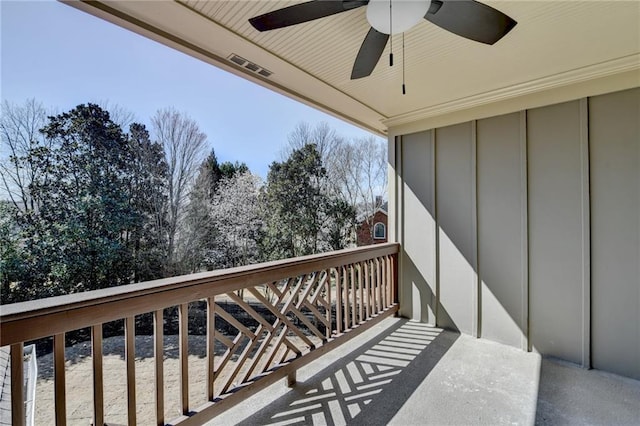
<point>301,217</point>
<point>80,229</point>
<point>147,185</point>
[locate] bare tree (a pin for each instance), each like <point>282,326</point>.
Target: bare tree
<point>322,135</point>
<point>372,158</point>
<point>356,169</point>
<point>118,114</point>
<point>361,174</point>
<point>185,147</point>
<point>235,210</point>
<point>20,134</point>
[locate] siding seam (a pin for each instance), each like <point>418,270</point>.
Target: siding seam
<point>586,234</point>
<point>525,343</point>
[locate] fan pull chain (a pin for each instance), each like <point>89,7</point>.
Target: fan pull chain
<point>404,91</point>
<point>390,34</point>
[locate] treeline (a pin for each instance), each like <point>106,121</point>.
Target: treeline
<point>91,200</point>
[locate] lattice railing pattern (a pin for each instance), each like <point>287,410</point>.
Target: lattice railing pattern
<point>270,320</point>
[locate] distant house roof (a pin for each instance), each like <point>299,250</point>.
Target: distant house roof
<point>383,209</point>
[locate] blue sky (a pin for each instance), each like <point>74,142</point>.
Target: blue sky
<point>63,57</point>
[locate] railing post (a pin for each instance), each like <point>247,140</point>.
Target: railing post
<point>183,322</point>
<point>291,379</point>
<point>211,346</point>
<point>98,386</point>
<point>59,383</point>
<point>158,352</point>
<point>17,385</point>
<point>130,356</point>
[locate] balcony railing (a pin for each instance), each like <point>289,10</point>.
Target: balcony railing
<point>293,311</point>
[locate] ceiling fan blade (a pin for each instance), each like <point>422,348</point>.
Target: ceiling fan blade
<point>369,54</point>
<point>303,12</point>
<point>470,19</point>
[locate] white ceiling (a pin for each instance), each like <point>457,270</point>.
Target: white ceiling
<point>312,61</point>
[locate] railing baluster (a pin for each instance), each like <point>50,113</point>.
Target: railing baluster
<point>328,307</point>
<point>394,275</point>
<point>17,385</point>
<point>389,282</point>
<point>130,355</point>
<point>370,279</point>
<point>383,281</point>
<point>158,345</point>
<point>345,297</point>
<point>365,278</point>
<point>98,385</point>
<point>354,295</point>
<point>338,300</point>
<point>379,281</point>
<point>183,322</point>
<point>59,383</point>
<point>360,292</point>
<point>211,345</point>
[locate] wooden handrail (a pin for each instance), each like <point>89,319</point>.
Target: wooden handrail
<point>218,282</point>
<point>296,294</point>
<point>20,322</point>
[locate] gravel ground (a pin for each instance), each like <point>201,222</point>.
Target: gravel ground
<point>79,379</point>
<point>79,373</point>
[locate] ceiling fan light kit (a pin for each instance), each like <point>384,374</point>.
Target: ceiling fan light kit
<point>397,16</point>
<point>466,18</point>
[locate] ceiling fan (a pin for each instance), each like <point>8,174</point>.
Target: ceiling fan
<point>466,18</point>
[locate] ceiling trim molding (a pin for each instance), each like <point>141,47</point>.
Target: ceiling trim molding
<point>580,75</point>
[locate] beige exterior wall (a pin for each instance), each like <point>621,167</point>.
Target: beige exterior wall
<point>525,229</point>
<point>502,233</point>
<point>614,143</point>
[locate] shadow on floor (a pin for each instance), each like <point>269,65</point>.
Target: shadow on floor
<point>366,387</point>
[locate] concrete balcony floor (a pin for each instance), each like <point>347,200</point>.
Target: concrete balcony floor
<point>407,373</point>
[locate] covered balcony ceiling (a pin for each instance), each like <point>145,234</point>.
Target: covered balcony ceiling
<point>555,44</point>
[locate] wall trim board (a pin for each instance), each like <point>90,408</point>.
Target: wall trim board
<point>598,86</point>
<point>434,162</point>
<point>477,292</point>
<point>586,233</point>
<point>399,160</point>
<point>435,258</point>
<point>573,78</point>
<point>393,170</point>
<point>525,343</point>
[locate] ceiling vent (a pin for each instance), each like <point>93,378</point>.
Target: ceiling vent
<point>255,68</point>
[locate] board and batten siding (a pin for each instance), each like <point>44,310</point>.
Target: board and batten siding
<point>525,229</point>
<point>614,139</point>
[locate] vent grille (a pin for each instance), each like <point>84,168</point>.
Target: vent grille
<point>238,60</point>
<point>253,67</point>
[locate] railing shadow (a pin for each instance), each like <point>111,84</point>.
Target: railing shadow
<point>368,386</point>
